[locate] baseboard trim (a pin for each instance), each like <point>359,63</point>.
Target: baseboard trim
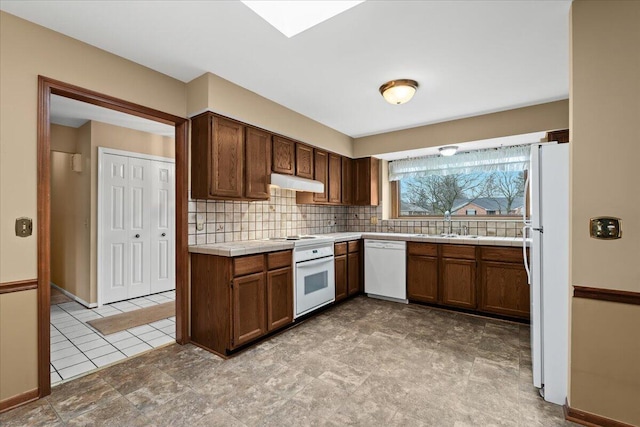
<point>18,400</point>
<point>17,286</point>
<point>74,297</point>
<point>611,295</point>
<point>590,420</point>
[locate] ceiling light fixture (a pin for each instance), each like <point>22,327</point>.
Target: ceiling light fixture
<point>448,151</point>
<point>399,91</point>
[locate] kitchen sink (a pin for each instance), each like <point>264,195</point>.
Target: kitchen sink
<point>449,236</point>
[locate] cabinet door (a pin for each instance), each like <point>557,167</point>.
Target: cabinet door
<point>283,155</point>
<point>227,154</point>
<point>458,282</point>
<point>341,277</point>
<point>279,298</point>
<point>504,289</point>
<point>354,284</point>
<point>335,174</point>
<point>249,314</point>
<point>366,171</point>
<point>304,161</point>
<point>422,278</point>
<point>347,181</point>
<point>257,164</point>
<point>320,173</point>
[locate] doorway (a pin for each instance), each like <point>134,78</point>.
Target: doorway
<point>46,88</point>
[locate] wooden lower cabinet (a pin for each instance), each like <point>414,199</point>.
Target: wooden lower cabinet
<point>249,310</point>
<point>235,301</point>
<point>422,278</point>
<point>503,287</point>
<point>279,298</point>
<point>354,268</point>
<point>341,277</point>
<point>458,282</point>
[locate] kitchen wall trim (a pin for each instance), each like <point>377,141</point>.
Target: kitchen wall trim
<point>612,295</point>
<point>588,419</point>
<point>20,285</point>
<point>46,88</point>
<point>18,400</point>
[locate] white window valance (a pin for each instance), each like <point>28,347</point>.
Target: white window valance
<point>508,159</point>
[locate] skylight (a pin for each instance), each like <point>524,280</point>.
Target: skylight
<point>293,17</point>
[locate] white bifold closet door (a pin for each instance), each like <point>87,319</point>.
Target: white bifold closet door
<point>137,226</point>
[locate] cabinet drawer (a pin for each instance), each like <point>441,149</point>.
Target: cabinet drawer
<point>340,249</point>
<point>354,246</point>
<point>278,260</point>
<point>458,251</point>
<point>490,253</point>
<point>427,249</point>
<point>248,264</point>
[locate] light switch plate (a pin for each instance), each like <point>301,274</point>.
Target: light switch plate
<point>24,227</point>
<point>605,228</point>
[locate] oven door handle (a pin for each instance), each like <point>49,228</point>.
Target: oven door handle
<point>305,264</point>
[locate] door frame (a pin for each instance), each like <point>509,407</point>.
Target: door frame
<point>46,88</point>
<point>99,233</point>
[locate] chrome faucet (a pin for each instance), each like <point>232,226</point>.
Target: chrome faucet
<point>447,219</point>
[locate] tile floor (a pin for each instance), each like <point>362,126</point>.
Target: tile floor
<point>365,362</point>
<point>77,348</point>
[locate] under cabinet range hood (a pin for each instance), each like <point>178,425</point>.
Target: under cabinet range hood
<point>290,182</point>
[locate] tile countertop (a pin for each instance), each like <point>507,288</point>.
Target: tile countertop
<point>249,247</point>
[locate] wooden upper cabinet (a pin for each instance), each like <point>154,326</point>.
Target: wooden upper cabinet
<point>257,163</point>
<point>558,135</point>
<point>217,157</point>
<point>227,154</point>
<point>335,174</point>
<point>283,156</point>
<point>321,170</point>
<point>366,177</point>
<point>346,183</point>
<point>304,161</point>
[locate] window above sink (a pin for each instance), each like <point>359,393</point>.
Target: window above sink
<point>479,184</point>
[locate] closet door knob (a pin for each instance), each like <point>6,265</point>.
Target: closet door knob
<point>137,236</point>
<point>164,234</point>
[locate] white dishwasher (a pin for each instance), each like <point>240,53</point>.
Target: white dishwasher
<point>385,269</point>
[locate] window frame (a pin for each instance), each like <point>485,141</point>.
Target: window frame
<point>395,208</point>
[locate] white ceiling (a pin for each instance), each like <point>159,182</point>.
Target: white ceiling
<point>469,57</point>
<point>69,112</point>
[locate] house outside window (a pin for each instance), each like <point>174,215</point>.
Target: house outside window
<point>484,183</point>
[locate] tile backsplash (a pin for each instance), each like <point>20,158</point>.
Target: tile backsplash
<point>359,219</point>
<point>229,221</point>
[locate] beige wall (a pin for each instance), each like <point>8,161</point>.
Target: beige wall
<point>605,148</point>
<point>63,138</point>
<point>605,363</point>
<point>26,51</point>
<point>210,92</point>
<point>542,117</point>
<point>18,343</point>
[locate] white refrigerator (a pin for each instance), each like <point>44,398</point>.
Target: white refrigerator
<point>548,228</point>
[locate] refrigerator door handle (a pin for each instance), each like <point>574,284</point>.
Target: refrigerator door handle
<point>524,252</point>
